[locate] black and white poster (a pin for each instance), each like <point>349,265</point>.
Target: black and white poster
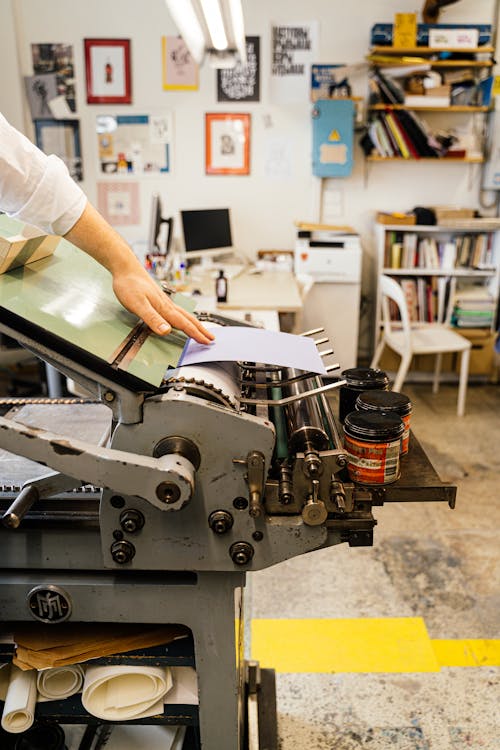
<point>241,83</point>
<point>294,48</point>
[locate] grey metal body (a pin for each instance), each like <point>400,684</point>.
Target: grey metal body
<point>192,501</point>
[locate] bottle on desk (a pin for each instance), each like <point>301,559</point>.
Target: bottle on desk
<point>221,287</point>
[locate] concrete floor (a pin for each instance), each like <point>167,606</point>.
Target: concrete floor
<point>427,561</point>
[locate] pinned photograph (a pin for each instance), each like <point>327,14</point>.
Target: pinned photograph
<point>41,90</point>
<point>58,59</point>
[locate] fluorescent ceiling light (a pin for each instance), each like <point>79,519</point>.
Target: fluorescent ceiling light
<point>212,27</point>
<point>238,29</point>
<point>189,27</point>
<point>215,23</point>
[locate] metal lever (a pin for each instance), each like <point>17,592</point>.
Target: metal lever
<point>21,505</point>
<point>255,463</point>
<point>291,399</point>
<point>255,478</point>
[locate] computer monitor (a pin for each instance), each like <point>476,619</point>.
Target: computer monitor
<point>207,233</point>
<point>158,244</point>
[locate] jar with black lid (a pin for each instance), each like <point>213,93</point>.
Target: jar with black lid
<point>372,442</point>
<point>359,379</point>
<point>388,402</point>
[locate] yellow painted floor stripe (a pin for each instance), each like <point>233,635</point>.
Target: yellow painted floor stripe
<point>467,653</point>
<point>396,645</point>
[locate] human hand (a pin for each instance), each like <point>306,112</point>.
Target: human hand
<point>137,291</point>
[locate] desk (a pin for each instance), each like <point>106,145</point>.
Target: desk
<point>263,291</point>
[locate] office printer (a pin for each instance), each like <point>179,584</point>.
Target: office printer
<point>328,253</point>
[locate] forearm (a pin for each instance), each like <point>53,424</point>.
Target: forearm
<point>96,237</point>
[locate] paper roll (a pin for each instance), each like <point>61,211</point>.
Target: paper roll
<point>125,692</point>
<point>60,682</point>
<point>19,709</point>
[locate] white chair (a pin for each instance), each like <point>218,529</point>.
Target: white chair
<point>407,339</point>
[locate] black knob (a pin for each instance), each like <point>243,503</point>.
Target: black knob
<point>241,553</point>
<point>131,520</point>
<point>220,521</point>
<point>122,552</point>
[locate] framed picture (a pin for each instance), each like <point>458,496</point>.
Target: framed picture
<point>135,144</point>
<point>227,143</point>
<point>107,65</point>
<point>62,138</point>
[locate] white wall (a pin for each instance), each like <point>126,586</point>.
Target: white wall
<point>263,210</point>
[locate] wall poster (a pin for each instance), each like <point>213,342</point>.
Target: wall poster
<point>241,83</point>
<point>179,70</point>
<point>294,48</point>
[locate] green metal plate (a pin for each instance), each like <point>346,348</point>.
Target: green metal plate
<point>70,295</point>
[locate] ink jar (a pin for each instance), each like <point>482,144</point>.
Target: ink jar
<point>372,441</point>
<point>359,379</point>
<point>388,402</point>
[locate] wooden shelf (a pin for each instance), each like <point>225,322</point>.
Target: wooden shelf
<point>380,49</point>
<point>482,273</point>
<point>410,61</point>
<point>436,160</point>
<point>449,108</point>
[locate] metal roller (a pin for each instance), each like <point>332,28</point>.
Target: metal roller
<point>306,432</point>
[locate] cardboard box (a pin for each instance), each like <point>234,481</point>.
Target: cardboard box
<point>19,249</point>
<point>482,354</point>
<point>452,212</point>
<point>395,218</point>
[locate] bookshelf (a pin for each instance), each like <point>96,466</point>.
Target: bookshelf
<point>450,274</point>
<point>398,101</point>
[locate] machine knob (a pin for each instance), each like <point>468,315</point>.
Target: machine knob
<point>241,553</point>
<point>131,520</point>
<point>314,513</point>
<point>122,552</point>
<point>220,521</point>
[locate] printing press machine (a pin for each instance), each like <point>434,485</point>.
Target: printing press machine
<point>221,470</point>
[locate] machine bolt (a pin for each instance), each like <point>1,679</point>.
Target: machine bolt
<point>117,501</point>
<point>342,461</point>
<point>257,536</point>
<point>241,553</point>
<point>118,534</point>
<point>122,552</point>
<point>109,396</point>
<point>131,520</point>
<point>240,503</point>
<point>220,521</point>
<point>168,492</point>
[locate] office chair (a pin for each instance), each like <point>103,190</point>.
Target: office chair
<point>407,339</point>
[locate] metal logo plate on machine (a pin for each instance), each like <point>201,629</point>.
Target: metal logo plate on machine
<point>49,604</point>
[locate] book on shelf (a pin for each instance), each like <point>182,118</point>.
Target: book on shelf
<point>427,100</point>
<point>464,251</point>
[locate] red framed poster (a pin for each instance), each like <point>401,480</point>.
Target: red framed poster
<point>107,66</point>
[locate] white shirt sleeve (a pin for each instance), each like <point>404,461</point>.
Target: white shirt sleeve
<point>34,187</point>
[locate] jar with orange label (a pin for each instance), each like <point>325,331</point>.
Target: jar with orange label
<point>372,442</point>
<point>388,402</point>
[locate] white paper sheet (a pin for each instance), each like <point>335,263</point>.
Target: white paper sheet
<point>235,343</point>
<point>59,683</point>
<point>19,709</point>
<point>125,692</point>
<point>185,689</point>
<point>4,680</point>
